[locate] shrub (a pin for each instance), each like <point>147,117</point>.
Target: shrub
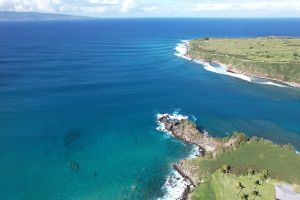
<point>255,139</point>
<point>209,155</point>
<point>240,139</point>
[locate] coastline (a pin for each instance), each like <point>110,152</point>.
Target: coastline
<point>178,184</point>
<point>188,177</point>
<point>181,181</point>
<point>181,128</point>
<point>182,49</point>
<point>234,70</point>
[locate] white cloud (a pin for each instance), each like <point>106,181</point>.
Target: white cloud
<point>127,5</point>
<point>218,8</point>
<point>83,10</point>
<point>54,6</point>
<point>263,6</point>
<point>108,2</point>
<point>30,5</point>
<point>150,9</point>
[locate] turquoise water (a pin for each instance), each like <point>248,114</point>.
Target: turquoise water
<point>88,92</point>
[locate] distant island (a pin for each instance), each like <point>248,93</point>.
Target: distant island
<point>274,58</point>
<point>33,16</point>
<point>234,167</point>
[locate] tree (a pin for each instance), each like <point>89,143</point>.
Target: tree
<point>225,170</point>
<point>264,175</point>
<point>245,196</point>
<point>240,187</point>
<point>251,172</point>
<point>256,183</point>
<point>255,194</point>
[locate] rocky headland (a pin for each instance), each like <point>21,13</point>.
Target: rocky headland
<point>185,130</point>
<point>235,155</point>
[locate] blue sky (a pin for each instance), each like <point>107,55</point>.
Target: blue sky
<point>159,8</point>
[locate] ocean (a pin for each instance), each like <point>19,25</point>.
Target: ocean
<point>78,101</point>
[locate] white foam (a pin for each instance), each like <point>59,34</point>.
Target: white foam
<point>267,82</point>
<point>195,152</point>
<point>173,116</point>
<point>174,186</point>
<point>194,118</point>
<point>182,49</point>
<point>222,69</point>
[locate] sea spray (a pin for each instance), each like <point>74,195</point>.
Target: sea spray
<point>182,49</point>
<point>175,185</point>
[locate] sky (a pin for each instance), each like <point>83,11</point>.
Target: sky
<point>158,8</point>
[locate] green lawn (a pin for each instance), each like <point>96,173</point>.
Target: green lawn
<point>270,57</point>
<point>217,187</point>
<point>283,164</point>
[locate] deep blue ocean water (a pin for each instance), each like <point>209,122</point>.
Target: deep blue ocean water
<point>87,92</point>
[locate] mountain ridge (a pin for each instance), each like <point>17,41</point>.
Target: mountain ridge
<point>36,16</point>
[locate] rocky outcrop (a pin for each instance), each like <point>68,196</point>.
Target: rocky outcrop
<point>182,128</point>
<point>187,131</point>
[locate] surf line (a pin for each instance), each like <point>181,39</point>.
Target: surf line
<point>181,51</point>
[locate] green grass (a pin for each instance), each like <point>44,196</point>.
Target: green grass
<point>205,190</point>
<point>283,164</point>
<point>270,57</point>
<point>216,187</point>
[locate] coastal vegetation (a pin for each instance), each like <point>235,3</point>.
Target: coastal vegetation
<point>254,168</point>
<point>234,167</point>
<point>276,58</point>
<point>233,187</point>
<point>257,155</point>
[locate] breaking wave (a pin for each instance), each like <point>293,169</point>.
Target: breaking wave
<point>182,49</point>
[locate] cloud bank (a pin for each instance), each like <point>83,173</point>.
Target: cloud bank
<point>159,8</point>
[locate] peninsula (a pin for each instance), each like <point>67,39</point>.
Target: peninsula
<point>274,58</point>
<point>234,167</point>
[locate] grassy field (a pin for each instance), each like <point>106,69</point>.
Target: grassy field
<point>269,57</point>
<point>283,164</point>
<point>217,187</point>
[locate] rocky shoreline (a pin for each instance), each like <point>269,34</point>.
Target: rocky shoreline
<point>188,189</point>
<point>183,129</point>
<point>236,71</point>
<point>231,69</point>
